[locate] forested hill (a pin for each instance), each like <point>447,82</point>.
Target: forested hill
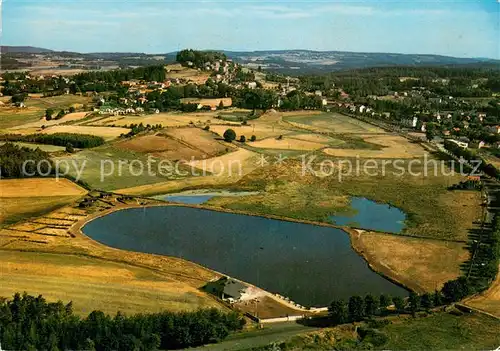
<point>304,61</point>
<point>23,49</point>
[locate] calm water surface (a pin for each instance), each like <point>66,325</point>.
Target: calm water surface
<point>372,215</point>
<point>310,264</point>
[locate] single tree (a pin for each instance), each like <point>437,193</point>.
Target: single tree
<point>72,109</point>
<point>371,305</point>
<point>229,135</point>
<point>253,138</point>
<point>437,298</point>
<point>385,301</point>
<point>356,308</point>
<point>69,148</point>
<point>338,312</point>
<point>48,114</point>
<point>243,139</point>
<point>414,302</point>
<point>426,301</point>
<point>399,303</point>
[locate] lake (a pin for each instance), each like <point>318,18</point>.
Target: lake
<point>311,265</point>
<point>372,215</point>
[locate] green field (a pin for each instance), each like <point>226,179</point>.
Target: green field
<point>43,147</point>
<point>444,331</point>
<point>333,122</point>
<point>107,159</point>
<point>35,109</point>
<point>440,331</point>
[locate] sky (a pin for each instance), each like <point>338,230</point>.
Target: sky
<point>468,28</point>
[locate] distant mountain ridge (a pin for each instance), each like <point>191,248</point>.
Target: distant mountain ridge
<point>23,49</point>
<point>286,61</point>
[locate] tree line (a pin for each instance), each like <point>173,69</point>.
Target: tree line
<point>31,323</point>
<point>80,141</point>
<point>13,157</point>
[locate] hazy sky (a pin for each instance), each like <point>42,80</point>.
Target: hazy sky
<point>449,27</point>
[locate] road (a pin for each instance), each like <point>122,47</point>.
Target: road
<point>271,333</point>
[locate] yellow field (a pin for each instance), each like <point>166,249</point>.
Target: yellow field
<point>177,71</point>
<point>421,264</point>
<point>32,187</point>
<point>43,122</point>
<point>257,129</point>
<point>95,284</point>
<point>330,122</point>
<point>21,198</point>
<point>287,144</point>
<point>394,147</point>
<point>107,133</point>
<point>14,209</point>
<point>488,301</point>
<point>165,119</point>
<point>227,102</point>
<point>234,164</point>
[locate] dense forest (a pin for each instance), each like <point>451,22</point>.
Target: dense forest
<point>30,323</point>
<point>13,157</point>
<point>80,141</point>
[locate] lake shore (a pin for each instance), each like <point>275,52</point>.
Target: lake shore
<point>353,234</point>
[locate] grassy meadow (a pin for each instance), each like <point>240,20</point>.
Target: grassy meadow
<point>35,109</point>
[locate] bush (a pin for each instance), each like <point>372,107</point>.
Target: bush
<point>69,148</point>
<point>243,139</point>
<point>229,135</point>
<point>206,128</point>
<point>72,109</point>
<point>253,138</point>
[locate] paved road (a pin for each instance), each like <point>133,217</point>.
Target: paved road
<point>271,333</point>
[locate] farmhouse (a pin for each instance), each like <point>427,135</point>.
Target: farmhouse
<point>227,289</point>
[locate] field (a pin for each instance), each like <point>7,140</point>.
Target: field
<point>260,131</point>
<point>43,147</point>
<point>444,331</point>
<point>24,198</point>
<point>177,144</point>
<point>286,143</point>
<point>70,117</point>
<point>118,167</point>
<point>227,102</point>
<point>95,284</point>
<point>94,276</point>
<point>232,165</point>
<point>177,71</point>
<point>107,133</point>
<point>35,109</point>
<point>392,146</point>
<point>411,261</point>
<point>165,119</point>
<point>489,300</point>
<point>332,122</point>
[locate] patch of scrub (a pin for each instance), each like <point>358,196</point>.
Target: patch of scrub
<point>373,216</point>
